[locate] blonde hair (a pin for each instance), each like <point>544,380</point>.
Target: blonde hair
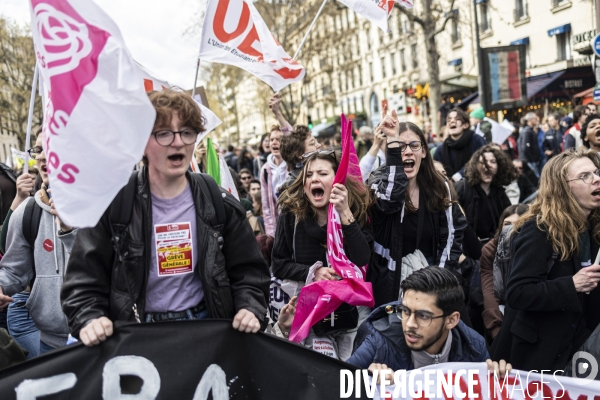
<point>556,210</point>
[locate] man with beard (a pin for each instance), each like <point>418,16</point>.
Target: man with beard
<point>460,145</point>
<point>590,133</point>
<point>422,329</point>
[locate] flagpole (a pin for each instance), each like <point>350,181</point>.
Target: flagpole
<point>196,77</point>
<point>30,118</point>
<point>310,29</point>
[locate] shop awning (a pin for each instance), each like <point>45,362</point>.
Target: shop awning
<point>535,85</point>
<point>559,29</point>
<point>520,41</point>
<point>322,127</point>
<point>455,62</point>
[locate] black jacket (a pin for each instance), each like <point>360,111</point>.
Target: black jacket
<point>531,150</point>
<point>545,319</point>
<point>470,198</point>
<point>390,182</point>
<point>233,278</point>
<point>552,141</point>
<point>381,340</point>
<point>298,246</point>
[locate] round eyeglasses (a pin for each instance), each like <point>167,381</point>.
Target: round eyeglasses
<point>35,151</point>
<point>414,146</point>
<point>423,318</point>
<point>166,138</point>
<point>587,177</point>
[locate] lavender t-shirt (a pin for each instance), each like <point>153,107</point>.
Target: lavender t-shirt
<point>167,290</point>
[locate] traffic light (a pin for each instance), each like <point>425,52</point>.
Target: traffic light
<point>310,124</point>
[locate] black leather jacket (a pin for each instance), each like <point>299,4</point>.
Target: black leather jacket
<point>233,278</point>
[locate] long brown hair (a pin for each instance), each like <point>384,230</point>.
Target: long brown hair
<point>430,181</point>
<point>294,199</point>
<point>555,209</point>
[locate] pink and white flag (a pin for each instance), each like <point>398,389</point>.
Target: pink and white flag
<point>319,299</point>
<point>234,33</point>
<point>98,117</point>
<point>376,11</point>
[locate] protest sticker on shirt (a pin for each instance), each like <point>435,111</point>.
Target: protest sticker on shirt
<point>174,250</point>
<point>324,346</point>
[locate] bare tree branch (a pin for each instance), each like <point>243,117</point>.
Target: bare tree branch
<point>446,19</point>
<point>412,17</point>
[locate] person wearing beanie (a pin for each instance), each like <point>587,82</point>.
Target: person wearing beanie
<point>480,126</point>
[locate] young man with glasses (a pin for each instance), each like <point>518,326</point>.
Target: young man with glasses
<point>422,329</point>
<point>177,260</point>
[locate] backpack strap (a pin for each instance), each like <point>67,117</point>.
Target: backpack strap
<point>121,215</point>
<point>552,260</point>
<point>121,210</point>
<point>31,227</point>
<point>216,197</point>
<point>31,221</point>
<point>207,183</point>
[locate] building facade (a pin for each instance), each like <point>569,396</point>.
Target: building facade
<point>352,65</point>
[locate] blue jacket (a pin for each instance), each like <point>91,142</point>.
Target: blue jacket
<point>385,344</point>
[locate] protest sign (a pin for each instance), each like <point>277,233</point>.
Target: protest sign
<point>234,33</point>
<point>178,360</point>
<point>97,114</point>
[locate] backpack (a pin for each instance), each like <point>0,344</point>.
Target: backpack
<point>121,216</point>
<point>503,262</point>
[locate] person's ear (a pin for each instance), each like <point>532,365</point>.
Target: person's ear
<point>452,320</point>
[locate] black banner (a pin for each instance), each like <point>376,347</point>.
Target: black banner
<point>181,360</point>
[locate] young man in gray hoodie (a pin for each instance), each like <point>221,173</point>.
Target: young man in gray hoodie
<point>49,256</point>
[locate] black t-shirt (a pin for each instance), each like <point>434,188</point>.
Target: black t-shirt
<point>409,234</point>
<point>9,190</point>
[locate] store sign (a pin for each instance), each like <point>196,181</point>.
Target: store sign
<point>584,37</point>
<point>582,61</point>
<point>504,77</point>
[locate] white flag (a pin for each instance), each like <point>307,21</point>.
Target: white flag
<point>98,117</point>
<point>376,11</point>
<point>234,33</point>
<point>227,182</point>
<point>151,82</point>
<point>500,132</point>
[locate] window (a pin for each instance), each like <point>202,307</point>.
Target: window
<point>563,46</point>
<point>455,28</point>
<point>360,81</point>
<point>383,67</point>
<point>371,71</point>
<point>400,23</point>
<point>393,62</point>
<point>521,11</point>
<point>415,60</point>
<point>484,18</point>
<point>349,79</point>
<point>403,60</point>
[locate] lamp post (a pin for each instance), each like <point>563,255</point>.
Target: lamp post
<point>480,54</point>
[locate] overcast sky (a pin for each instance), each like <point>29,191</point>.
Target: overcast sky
<point>154,31</point>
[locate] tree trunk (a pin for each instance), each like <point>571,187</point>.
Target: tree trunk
<point>432,64</point>
<point>435,87</point>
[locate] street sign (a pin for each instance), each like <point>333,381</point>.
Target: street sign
<point>597,92</point>
<point>596,44</point>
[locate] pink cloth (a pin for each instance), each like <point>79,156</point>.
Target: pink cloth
<point>319,299</point>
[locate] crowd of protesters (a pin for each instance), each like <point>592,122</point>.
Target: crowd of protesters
<point>491,247</point>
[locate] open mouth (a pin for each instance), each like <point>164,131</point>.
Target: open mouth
<point>596,193</point>
<point>43,168</point>
<point>408,164</point>
<point>317,193</point>
<point>412,337</point>
<point>176,157</point>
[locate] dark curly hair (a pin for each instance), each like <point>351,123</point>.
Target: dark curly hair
<point>292,145</point>
<point>506,170</point>
<point>584,128</point>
